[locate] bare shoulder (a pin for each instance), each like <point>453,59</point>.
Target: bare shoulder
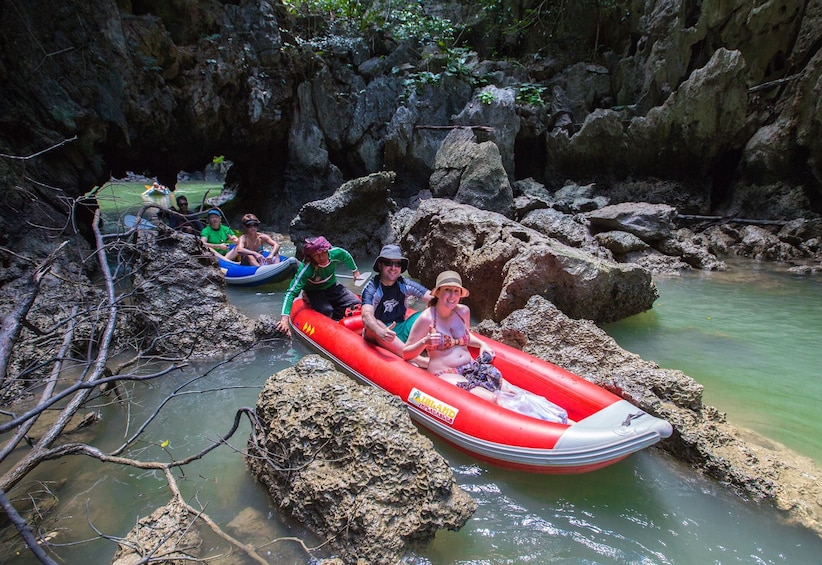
<point>424,317</point>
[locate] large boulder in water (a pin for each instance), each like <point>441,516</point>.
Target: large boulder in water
<point>346,461</point>
<point>179,302</point>
<point>355,217</point>
<point>504,263</point>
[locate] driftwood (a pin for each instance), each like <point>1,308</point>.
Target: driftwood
<point>731,220</point>
<point>481,128</point>
<point>773,83</point>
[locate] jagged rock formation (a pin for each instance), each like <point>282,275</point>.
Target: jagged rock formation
<point>180,305</point>
<point>347,461</point>
<point>717,94</point>
<point>504,264</point>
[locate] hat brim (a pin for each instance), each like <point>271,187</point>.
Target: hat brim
<point>464,290</point>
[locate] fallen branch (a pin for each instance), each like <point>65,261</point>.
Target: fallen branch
<point>166,468</point>
<point>46,150</point>
<point>27,423</point>
<point>773,83</point>
<point>24,530</point>
<point>731,220</point>
<point>481,128</point>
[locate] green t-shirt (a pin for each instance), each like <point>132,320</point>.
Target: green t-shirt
<point>317,278</point>
<point>213,236</point>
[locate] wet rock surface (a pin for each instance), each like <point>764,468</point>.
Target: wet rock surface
<point>346,461</point>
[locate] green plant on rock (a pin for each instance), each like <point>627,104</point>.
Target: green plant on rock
<point>415,82</point>
<point>487,97</point>
<point>529,93</point>
<point>400,20</point>
<point>456,63</point>
<point>560,19</point>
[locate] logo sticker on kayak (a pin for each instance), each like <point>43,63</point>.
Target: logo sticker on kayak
<point>431,405</point>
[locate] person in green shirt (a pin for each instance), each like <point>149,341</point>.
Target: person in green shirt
<point>219,237</point>
<point>317,278</point>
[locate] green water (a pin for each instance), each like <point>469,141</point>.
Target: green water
<point>752,336</point>
<point>748,337</point>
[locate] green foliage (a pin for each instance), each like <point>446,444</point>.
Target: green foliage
<point>415,82</point>
<point>557,16</point>
<point>400,20</point>
<point>411,22</point>
<point>529,93</point>
<point>486,97</point>
<point>218,160</point>
<point>452,61</point>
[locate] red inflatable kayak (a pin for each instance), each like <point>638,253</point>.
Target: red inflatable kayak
<point>601,428</point>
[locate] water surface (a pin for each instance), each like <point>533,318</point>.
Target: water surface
<point>752,336</point>
<point>749,337</point>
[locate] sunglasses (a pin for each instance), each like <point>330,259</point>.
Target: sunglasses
<point>392,263</point>
<point>251,223</point>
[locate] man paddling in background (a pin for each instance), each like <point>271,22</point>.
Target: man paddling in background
<point>384,302</point>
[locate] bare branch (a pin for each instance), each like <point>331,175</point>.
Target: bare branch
<point>773,83</point>
<point>46,150</point>
<point>40,450</point>
<point>24,530</point>
<point>47,392</point>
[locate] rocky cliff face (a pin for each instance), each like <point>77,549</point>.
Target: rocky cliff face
<point>718,93</point>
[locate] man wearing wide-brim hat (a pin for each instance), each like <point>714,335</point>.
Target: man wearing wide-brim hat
<point>384,301</point>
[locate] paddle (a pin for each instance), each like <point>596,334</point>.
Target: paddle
<point>359,281</point>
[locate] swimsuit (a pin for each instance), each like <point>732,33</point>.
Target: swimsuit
<point>447,341</point>
<point>478,372</point>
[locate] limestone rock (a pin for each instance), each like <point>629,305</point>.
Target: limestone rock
<point>649,222</point>
<point>346,461</point>
<point>354,217</point>
<point>620,242</point>
<point>471,172</point>
<point>498,112</point>
<point>180,301</point>
<point>759,243</point>
<point>567,228</point>
<point>504,263</point>
<point>168,534</point>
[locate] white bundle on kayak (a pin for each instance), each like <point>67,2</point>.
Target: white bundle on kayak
<point>530,404</point>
